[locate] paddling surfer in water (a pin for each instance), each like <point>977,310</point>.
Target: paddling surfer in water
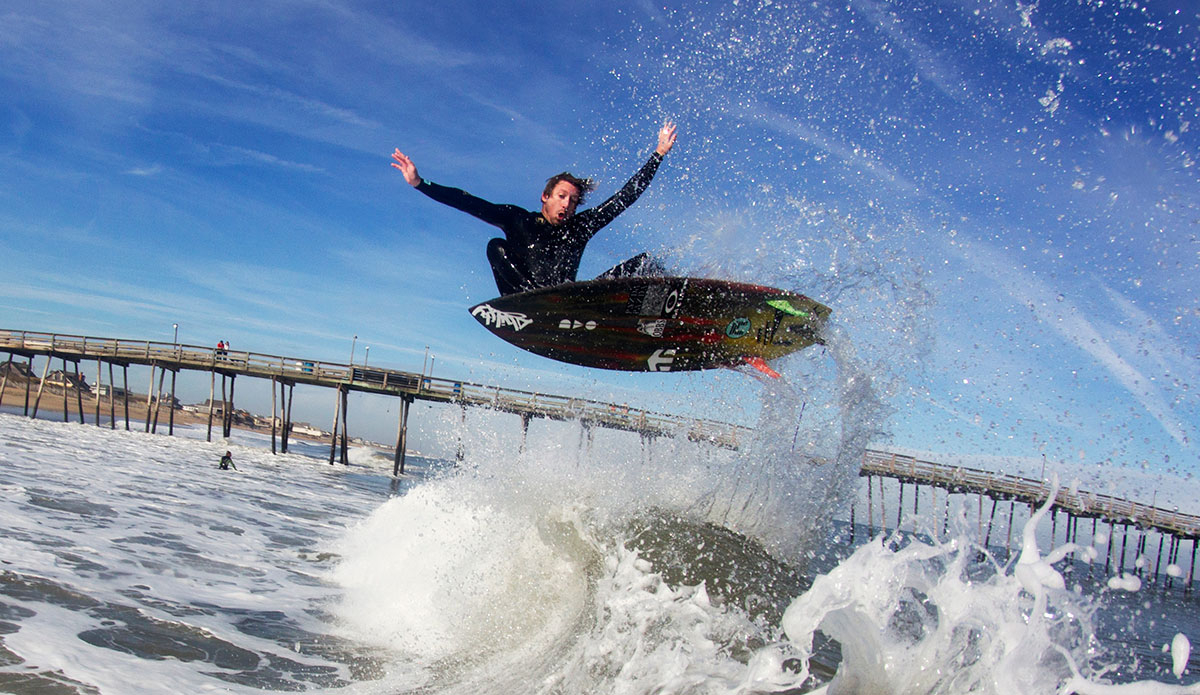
<point>542,249</point>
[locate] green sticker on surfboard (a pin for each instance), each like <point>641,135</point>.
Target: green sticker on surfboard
<point>786,307</point>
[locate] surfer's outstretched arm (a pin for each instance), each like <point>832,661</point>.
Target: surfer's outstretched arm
<point>406,167</point>
<point>605,212</point>
<point>502,216</point>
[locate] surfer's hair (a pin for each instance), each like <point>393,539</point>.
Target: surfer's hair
<point>585,186</point>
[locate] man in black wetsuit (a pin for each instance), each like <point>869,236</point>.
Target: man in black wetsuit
<point>541,249</point>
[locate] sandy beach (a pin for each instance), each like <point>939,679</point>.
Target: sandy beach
<point>52,402</point>
<point>13,398</point>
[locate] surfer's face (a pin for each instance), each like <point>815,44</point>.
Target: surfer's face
<point>560,202</point>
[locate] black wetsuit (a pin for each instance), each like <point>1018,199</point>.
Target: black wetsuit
<point>535,253</point>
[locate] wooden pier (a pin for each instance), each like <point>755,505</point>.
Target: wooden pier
<point>1121,516</point>
<point>287,372</point>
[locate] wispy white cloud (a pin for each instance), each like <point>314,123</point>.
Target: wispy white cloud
<point>1155,341</point>
<point>286,101</point>
<point>116,63</point>
<point>936,67</point>
<point>255,156</point>
<point>77,49</point>
<point>392,43</point>
<point>1067,319</point>
<point>854,156</point>
<point>68,291</point>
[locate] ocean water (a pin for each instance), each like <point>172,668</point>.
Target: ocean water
<point>130,564</point>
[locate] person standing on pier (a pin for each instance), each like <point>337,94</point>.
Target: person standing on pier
<point>542,249</point>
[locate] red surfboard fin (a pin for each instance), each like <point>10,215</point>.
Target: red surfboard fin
<point>761,365</point>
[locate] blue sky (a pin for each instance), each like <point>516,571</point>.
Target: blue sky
<point>1000,201</point>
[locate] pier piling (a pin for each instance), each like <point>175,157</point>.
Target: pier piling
<point>28,383</point>
<point>946,517</point>
<point>125,393</point>
<point>870,508</point>
<point>150,395</point>
<point>345,427</point>
<point>274,414</point>
<point>882,510</point>
<point>337,414</point>
<point>852,506</point>
<point>1012,510</point>
<point>224,404</point>
<point>171,410</point>
<point>1108,547</point>
<point>41,386</point>
<point>1124,543</point>
<point>287,418</point>
<point>112,404</point>
<point>7,371</point>
<point>460,452</point>
<point>525,418</point>
<point>99,383</point>
<point>212,394</point>
<point>1192,571</point>
<point>401,436</point>
<point>230,408</point>
<point>162,377</point>
<point>66,410</point>
<point>1158,557</point>
<point>78,391</point>
<point>987,540</point>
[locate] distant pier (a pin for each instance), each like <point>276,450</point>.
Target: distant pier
<point>1139,524</point>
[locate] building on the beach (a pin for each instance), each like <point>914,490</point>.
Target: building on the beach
<point>308,430</point>
<point>105,390</point>
<point>171,402</point>
<point>16,372</point>
<point>70,380</point>
<point>218,408</point>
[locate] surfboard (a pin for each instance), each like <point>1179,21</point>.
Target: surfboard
<point>656,324</point>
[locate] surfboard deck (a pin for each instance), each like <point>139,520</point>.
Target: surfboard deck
<point>656,324</point>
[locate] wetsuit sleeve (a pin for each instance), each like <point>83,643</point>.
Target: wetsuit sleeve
<point>607,211</point>
<point>497,215</point>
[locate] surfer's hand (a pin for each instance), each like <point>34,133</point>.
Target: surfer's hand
<point>666,138</point>
<point>406,167</point>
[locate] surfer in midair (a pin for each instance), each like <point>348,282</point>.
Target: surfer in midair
<point>542,249</point>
